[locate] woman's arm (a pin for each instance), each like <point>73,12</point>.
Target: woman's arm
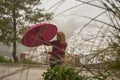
<point>43,41</point>
<point>48,58</point>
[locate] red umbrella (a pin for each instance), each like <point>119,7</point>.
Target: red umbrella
<point>32,36</point>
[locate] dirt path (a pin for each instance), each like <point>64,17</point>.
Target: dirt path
<point>18,72</point>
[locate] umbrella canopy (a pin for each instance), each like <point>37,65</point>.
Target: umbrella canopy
<point>32,36</point>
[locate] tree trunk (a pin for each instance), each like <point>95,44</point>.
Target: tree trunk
<point>14,52</point>
<point>14,35</point>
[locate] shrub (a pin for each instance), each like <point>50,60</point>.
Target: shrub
<point>63,73</point>
<point>4,60</point>
<point>27,61</point>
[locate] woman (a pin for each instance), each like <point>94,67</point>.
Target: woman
<point>56,56</point>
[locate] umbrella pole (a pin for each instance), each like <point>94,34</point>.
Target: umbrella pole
<point>45,49</point>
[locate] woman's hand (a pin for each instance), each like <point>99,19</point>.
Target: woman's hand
<point>48,59</point>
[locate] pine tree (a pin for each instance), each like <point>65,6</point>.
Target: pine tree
<point>15,15</point>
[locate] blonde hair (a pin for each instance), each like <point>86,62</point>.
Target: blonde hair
<point>61,37</point>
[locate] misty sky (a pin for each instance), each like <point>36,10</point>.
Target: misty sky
<point>68,13</point>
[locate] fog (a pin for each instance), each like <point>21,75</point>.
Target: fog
<point>66,19</point>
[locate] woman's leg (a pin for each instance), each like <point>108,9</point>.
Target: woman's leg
<point>52,65</point>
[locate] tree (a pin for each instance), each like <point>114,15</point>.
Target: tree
<point>15,15</point>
